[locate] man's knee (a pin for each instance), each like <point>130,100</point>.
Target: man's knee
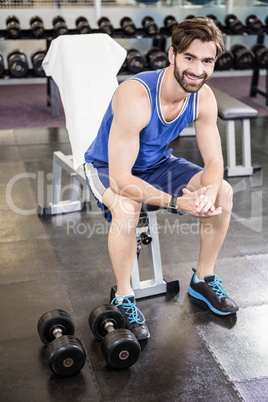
<point>126,214</point>
<point>225,197</point>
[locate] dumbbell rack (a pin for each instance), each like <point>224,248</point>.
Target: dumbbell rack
<point>50,34</point>
<point>158,40</point>
<point>254,89</point>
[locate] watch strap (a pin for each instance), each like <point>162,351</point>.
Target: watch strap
<point>172,207</point>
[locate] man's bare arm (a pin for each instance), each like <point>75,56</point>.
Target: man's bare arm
<point>131,114</point>
<point>209,144</point>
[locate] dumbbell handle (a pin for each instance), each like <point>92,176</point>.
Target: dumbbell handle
<point>57,332</point>
<point>109,326</point>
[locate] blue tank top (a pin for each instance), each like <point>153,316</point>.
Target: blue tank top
<point>155,137</point>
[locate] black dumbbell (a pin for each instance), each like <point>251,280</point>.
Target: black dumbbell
<point>234,24</point>
<point>216,21</point>
<point>170,23</point>
<point>261,55</point>
<point>189,17</point>
<point>37,60</point>
<point>106,26</point>
<point>134,62</point>
<point>225,61</point>
<point>59,25</point>
<point>13,27</point>
<point>82,25</point>
<point>128,26</point>
<point>37,27</point>
<point>254,23</point>
<point>243,57</point>
<point>120,347</point>
<point>17,63</point>
<point>157,58</point>
<point>149,25</point>
<point>65,352</point>
<point>2,66</point>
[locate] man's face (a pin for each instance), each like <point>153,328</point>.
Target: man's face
<point>195,66</point>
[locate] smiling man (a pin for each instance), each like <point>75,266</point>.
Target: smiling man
<point>129,163</point>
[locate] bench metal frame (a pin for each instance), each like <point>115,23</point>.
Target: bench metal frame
<point>156,284</point>
<point>79,194</point>
<point>246,168</point>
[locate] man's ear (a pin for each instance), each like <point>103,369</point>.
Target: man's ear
<point>171,55</point>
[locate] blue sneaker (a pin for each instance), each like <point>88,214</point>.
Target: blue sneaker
<point>211,292</point>
<point>134,318</point>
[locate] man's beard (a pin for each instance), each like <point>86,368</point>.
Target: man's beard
<point>186,86</point>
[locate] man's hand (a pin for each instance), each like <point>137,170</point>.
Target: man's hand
<point>197,204</point>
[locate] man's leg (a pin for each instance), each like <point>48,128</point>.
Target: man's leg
<point>122,246</point>
<point>205,286</point>
<point>122,242</point>
<point>124,214</point>
<point>212,230</point>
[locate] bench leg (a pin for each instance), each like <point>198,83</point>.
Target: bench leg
<point>230,144</point>
<point>232,168</point>
<point>156,284</point>
<point>246,147</point>
<point>77,178</point>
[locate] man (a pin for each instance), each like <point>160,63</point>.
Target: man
<point>128,163</point>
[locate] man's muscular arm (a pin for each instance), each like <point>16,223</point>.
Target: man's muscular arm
<point>131,108</point>
<point>208,140</point>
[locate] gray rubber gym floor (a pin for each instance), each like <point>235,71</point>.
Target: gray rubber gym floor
<point>62,262</point>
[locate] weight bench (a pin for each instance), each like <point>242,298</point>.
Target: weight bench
<point>65,62</point>
<point>146,232</point>
<point>232,110</point>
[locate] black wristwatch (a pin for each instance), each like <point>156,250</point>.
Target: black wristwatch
<point>172,207</point>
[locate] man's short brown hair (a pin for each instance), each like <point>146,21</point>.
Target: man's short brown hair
<point>201,28</point>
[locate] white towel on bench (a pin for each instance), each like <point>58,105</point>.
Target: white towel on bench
<point>85,68</point>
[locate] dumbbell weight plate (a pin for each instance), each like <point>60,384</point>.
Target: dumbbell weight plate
<point>261,54</point>
<point>37,60</point>
<point>243,58</point>
<point>54,319</point>
<point>216,21</point>
<point>236,48</point>
<point>170,23</point>
<point>13,26</point>
<point>105,25</point>
<point>254,23</point>
<point>225,61</point>
<point>102,314</point>
<point>17,64</point>
<point>149,25</point>
<point>189,17</point>
<point>121,348</point>
<point>59,25</point>
<point>37,27</point>
<point>66,355</point>
<point>82,25</point>
<point>234,24</point>
<point>128,26</point>
<point>135,62</point>
<point>157,59</point>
